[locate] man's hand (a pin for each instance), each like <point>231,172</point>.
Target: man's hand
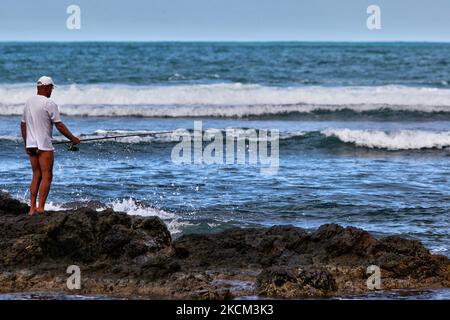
<point>75,140</point>
<point>27,151</point>
<point>65,132</point>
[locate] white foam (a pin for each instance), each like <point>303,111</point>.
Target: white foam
<point>51,206</point>
<point>292,134</point>
<point>131,207</point>
<point>439,250</point>
<point>160,137</point>
<point>392,140</point>
<point>11,138</point>
<point>224,100</point>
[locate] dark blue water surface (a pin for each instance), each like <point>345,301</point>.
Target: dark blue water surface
<point>274,64</point>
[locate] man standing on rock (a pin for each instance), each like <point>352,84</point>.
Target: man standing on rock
<point>39,115</point>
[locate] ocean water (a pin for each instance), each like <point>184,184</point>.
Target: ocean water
<point>364,132</point>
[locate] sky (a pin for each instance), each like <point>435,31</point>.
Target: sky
<point>225,20</point>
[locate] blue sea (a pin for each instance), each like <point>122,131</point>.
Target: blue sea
<point>364,132</point>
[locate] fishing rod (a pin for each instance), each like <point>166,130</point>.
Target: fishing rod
<point>75,148</point>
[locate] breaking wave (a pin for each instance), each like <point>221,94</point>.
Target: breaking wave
<point>392,140</point>
<point>227,100</point>
<point>373,139</point>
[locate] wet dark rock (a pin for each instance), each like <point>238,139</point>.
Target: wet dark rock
<point>132,256</point>
<point>237,248</point>
<point>12,206</point>
<point>283,281</point>
<point>77,236</point>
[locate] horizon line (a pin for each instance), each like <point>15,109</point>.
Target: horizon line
<point>232,41</point>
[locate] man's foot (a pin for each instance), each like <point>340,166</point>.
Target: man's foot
<point>40,211</point>
<point>32,211</point>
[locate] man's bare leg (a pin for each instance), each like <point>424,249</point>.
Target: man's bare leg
<point>46,165</point>
<point>35,182</point>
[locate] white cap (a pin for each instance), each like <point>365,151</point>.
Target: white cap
<point>45,81</point>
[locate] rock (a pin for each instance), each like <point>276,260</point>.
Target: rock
<point>288,282</point>
<point>9,205</point>
<point>77,236</point>
<point>237,248</point>
<point>330,261</point>
<point>132,256</point>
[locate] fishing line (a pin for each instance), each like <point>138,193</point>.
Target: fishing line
<point>72,147</point>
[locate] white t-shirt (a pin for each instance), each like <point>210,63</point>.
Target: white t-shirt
<point>40,114</point>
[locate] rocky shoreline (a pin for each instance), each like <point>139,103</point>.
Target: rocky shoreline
<point>131,256</point>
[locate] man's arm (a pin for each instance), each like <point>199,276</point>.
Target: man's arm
<point>23,128</point>
<point>65,132</point>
